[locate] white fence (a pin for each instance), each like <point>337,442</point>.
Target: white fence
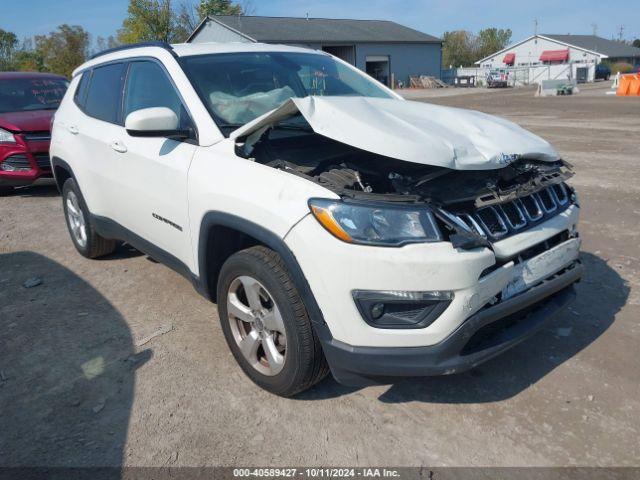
<point>519,76</point>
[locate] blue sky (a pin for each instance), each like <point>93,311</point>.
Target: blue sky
<point>103,17</point>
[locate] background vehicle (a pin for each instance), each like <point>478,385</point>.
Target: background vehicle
<point>497,78</point>
<point>336,225</point>
<point>27,103</point>
<point>603,72</point>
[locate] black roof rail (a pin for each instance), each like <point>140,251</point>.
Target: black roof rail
<point>158,44</point>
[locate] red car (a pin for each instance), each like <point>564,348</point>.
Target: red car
<point>27,104</point>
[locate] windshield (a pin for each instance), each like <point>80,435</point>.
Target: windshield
<point>26,94</point>
<point>239,87</point>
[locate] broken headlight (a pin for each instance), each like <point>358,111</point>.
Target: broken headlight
<point>380,224</point>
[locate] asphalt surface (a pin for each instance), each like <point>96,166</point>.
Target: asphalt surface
<point>118,361</point>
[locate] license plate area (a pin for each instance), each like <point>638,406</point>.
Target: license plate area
<point>531,272</point>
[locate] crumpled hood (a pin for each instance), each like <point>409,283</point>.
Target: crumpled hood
<point>413,131</point>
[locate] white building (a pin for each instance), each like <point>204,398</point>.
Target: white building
<point>561,49</point>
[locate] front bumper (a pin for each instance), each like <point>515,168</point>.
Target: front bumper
<point>33,155</point>
<point>481,337</point>
<point>334,269</point>
<point>487,286</point>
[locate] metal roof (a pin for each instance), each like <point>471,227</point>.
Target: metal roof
<point>319,30</point>
<point>610,48</point>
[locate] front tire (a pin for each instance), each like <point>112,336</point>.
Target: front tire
<point>83,234</point>
<point>266,323</point>
<point>4,191</point>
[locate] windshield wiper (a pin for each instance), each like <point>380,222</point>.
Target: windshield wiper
<point>291,126</point>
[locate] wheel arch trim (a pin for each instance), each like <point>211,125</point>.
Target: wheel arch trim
<point>56,163</point>
<point>269,239</point>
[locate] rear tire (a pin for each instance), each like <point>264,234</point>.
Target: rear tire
<point>81,230</point>
<point>282,356</point>
<point>4,191</point>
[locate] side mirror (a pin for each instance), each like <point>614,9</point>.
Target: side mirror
<point>154,122</point>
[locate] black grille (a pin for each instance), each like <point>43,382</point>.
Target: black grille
<point>531,207</point>
<point>44,136</point>
<point>547,200</point>
<point>492,221</point>
<point>561,194</point>
<point>514,215</point>
<point>500,220</point>
<point>42,159</point>
<point>18,162</point>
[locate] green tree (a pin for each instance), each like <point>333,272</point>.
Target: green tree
<point>62,50</point>
<point>636,43</point>
<point>190,15</point>
<point>463,48</point>
<point>158,19</point>
<point>25,58</point>
<point>458,48</point>
<point>491,40</point>
<point>8,45</point>
<point>147,20</point>
<point>218,7</point>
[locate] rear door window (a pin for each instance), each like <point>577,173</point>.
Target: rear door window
<point>105,90</point>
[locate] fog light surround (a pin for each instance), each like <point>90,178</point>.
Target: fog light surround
<point>401,309</point>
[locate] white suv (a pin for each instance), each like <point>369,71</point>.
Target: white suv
<point>338,227</point>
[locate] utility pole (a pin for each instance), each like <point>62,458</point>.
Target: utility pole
<point>594,26</point>
<point>535,26</point>
<point>621,32</point>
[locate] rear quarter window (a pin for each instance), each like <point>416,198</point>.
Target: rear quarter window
<point>104,92</point>
<point>80,96</point>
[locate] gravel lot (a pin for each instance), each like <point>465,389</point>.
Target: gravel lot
<point>83,384</point>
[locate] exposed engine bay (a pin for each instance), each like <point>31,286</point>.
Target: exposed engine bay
<point>355,173</point>
<point>476,207</point>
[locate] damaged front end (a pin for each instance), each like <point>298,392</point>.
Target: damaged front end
<point>476,195</point>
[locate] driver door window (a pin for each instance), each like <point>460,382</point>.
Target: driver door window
<point>148,86</point>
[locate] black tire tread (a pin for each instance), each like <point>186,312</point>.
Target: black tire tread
<point>317,367</point>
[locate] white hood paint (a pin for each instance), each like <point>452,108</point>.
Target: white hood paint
<point>413,131</point>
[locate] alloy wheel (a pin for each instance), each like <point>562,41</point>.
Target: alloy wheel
<point>77,223</point>
<point>257,325</point>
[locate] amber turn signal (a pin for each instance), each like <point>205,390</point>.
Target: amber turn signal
<point>324,216</point>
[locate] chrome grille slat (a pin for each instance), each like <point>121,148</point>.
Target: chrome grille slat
<point>491,220</point>
<point>498,221</point>
<point>545,197</point>
<point>473,224</point>
<point>532,207</point>
<point>560,193</point>
<point>514,215</point>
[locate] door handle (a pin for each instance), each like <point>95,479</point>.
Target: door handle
<point>118,146</point>
<point>72,129</point>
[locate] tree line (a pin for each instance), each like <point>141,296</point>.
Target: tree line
<point>62,50</point>
<point>68,46</point>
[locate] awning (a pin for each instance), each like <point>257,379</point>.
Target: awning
<point>555,56</point>
<point>509,59</point>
